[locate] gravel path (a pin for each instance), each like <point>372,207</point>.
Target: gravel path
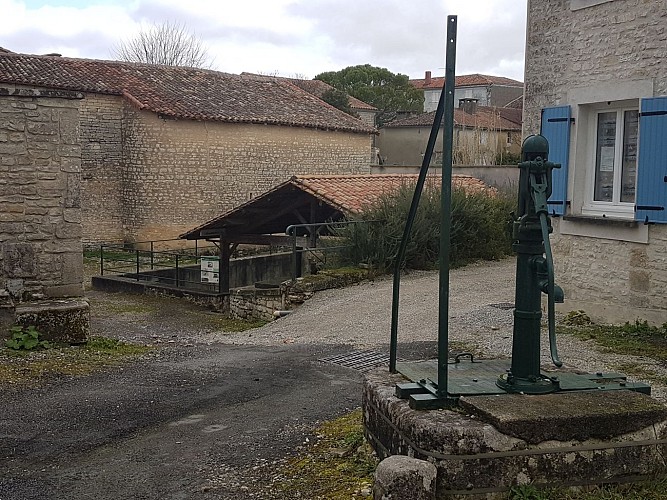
<point>360,316</point>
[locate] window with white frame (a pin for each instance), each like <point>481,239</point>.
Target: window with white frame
<point>612,180</point>
<point>622,152</point>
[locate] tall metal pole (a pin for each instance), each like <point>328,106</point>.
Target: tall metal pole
<point>446,206</point>
<point>400,256</point>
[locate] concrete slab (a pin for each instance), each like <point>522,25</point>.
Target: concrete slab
<point>472,456</point>
<point>567,416</point>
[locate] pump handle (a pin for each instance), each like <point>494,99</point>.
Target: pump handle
<point>551,300</point>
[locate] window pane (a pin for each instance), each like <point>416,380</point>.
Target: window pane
<point>629,172</point>
<point>605,153</point>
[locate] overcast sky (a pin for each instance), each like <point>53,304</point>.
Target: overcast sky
<point>286,37</point>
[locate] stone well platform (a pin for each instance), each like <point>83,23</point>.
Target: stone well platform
<point>490,443</point>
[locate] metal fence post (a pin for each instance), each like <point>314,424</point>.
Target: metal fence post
<point>151,255</point>
<point>137,253</point>
<point>101,260</point>
<point>177,280</point>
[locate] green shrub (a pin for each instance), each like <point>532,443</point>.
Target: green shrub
<point>480,229</point>
<point>26,339</point>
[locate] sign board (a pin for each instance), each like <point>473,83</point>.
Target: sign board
<point>210,270</point>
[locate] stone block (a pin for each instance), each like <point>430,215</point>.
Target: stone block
<point>68,230</point>
<point>639,280</point>
<point>57,320</point>
<point>68,290</point>
<point>18,259</point>
<point>399,477</point>
<point>73,192</point>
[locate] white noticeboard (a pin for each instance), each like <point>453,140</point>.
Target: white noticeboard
<point>210,270</point>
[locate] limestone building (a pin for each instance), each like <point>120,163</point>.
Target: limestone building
<point>166,148</point>
<point>596,87</point>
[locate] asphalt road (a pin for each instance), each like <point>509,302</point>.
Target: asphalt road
<point>201,422</point>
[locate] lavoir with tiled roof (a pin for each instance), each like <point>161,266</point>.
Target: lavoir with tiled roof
<point>163,148</point>
<point>314,199</point>
<point>305,199</point>
<point>489,90</point>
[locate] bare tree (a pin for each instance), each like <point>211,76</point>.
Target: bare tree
<point>165,43</point>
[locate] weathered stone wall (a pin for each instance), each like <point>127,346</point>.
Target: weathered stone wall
<point>101,123</point>
<point>40,205</point>
<point>180,173</point>
<point>615,45</point>
<point>613,280</point>
<point>253,303</point>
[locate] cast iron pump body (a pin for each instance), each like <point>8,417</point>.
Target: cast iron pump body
<point>534,273</point>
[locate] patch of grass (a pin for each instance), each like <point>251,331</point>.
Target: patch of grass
<point>337,466</point>
<point>31,368</point>
<point>640,371</point>
<point>637,339</point>
<point>645,490</point>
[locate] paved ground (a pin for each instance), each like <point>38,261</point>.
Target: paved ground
<point>209,413</point>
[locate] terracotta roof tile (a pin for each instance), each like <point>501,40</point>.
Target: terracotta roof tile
<point>474,80</point>
<point>342,194</point>
<point>179,92</point>
<point>352,193</point>
<point>485,117</point>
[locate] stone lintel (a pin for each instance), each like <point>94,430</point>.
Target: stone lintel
<point>565,416</point>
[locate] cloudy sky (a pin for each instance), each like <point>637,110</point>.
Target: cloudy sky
<point>285,37</point>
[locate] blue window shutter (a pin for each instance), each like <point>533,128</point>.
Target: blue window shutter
<point>651,193</point>
<point>556,129</point>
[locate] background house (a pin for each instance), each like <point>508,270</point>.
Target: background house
<point>488,90</point>
<point>482,136</point>
<point>596,86</point>
<point>164,148</point>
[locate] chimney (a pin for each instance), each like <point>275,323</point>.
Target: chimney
<point>427,78</point>
<point>468,105</point>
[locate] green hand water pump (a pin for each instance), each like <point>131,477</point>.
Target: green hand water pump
<point>534,273</point>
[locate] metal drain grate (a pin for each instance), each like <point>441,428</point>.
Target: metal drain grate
<point>505,306</point>
<point>358,360</point>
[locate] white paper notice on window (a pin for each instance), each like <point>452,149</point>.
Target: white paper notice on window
<point>607,154</point>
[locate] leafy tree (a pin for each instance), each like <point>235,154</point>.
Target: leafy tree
<point>379,87</point>
<point>338,99</point>
<point>167,43</point>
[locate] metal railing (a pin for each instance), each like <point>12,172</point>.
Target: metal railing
<point>179,268</point>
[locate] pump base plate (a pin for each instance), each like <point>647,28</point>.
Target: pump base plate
<point>467,378</point>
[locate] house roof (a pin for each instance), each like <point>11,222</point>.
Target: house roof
<point>474,80</point>
<point>183,93</point>
<point>318,88</point>
<point>326,197</point>
<point>485,117</point>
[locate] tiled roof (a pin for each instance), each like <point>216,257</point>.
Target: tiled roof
<point>351,193</point>
<point>485,117</point>
<point>318,88</point>
<point>474,80</point>
<point>179,92</point>
<point>337,196</point>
